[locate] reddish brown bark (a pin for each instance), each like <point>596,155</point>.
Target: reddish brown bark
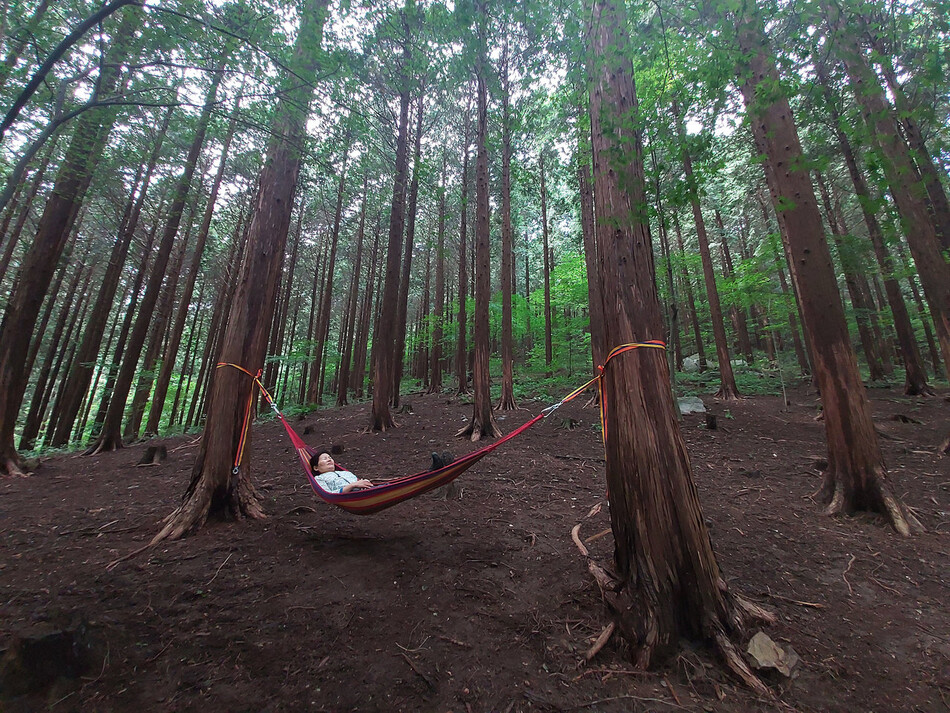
<point>506,400</point>
<point>435,366</point>
<point>483,422</point>
<point>591,259</point>
<point>461,343</point>
<point>856,476</point>
<point>384,343</point>
<point>352,307</point>
<point>548,338</point>
<point>670,586</point>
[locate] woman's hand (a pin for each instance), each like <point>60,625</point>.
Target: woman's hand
<point>361,484</point>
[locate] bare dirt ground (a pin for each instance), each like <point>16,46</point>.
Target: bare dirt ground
<point>480,603</point>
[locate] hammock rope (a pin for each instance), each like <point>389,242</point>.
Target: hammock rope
<point>385,494</point>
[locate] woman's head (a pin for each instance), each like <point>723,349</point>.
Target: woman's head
<point>323,463</point>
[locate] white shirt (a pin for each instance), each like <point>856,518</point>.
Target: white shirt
<point>335,480</point>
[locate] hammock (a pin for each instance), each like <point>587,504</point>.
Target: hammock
<point>385,494</point>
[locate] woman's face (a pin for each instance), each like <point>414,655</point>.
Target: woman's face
<point>325,463</point>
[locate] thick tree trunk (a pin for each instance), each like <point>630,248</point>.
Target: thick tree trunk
<point>483,419</point>
<point>856,476</point>
<point>111,436</point>
<point>727,380</point>
<point>670,586</point>
<point>216,486</point>
<point>81,372</point>
<point>36,269</point>
<point>506,401</point>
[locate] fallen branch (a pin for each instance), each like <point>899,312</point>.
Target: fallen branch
<point>419,673</point>
<point>813,605</point>
<point>601,641</point>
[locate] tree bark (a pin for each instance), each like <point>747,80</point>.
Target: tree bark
<point>688,283</point>
<point>737,314</point>
<point>483,422</point>
<point>402,313</point>
<point>435,366</point>
<point>352,306</point>
<point>461,344</point>
<point>216,486</point>
<point>856,476</point>
<point>385,337</point>
<point>506,401</point>
<point>670,586</point>
<point>548,339</point>
<point>81,373</point>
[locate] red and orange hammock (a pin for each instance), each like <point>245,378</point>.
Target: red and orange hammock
<point>388,493</point>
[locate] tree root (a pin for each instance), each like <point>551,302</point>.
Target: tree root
<point>741,613</point>
<point>10,467</point>
<point>727,394</point>
<point>475,430</point>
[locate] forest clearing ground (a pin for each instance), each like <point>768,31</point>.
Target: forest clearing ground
<point>481,603</point>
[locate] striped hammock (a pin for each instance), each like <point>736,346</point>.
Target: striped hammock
<point>385,494</point>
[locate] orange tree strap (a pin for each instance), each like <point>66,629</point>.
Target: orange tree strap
<point>245,427</point>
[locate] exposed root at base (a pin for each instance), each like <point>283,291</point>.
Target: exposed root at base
<point>9,467</point>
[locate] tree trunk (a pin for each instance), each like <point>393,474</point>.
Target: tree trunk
<point>358,377</point>
<point>688,282</point>
<point>591,258</point>
<point>727,380</point>
<point>402,313</point>
<point>737,314</point>
<point>856,476</point>
<point>435,366</point>
<point>384,342</point>
<point>81,372</point>
<point>548,340</point>
<point>352,307</point>
<point>111,436</point>
<point>506,401</point>
<point>216,486</point>
<point>483,420</point>
<point>670,586</point>
<point>461,344</point>
<point>901,177</point>
<point>36,269</point>
<point>858,301</point>
<point>315,394</point>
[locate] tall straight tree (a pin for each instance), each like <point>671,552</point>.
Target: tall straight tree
<point>855,478</point>
<point>215,485</point>
<point>483,419</point>
<point>36,269</point>
<point>435,366</point>
<point>384,342</point>
<point>461,343</point>
<point>506,401</point>
<point>548,341</point>
<point>670,586</point>
<point>727,380</point>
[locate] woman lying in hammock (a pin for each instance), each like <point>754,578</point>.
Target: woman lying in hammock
<point>335,480</point>
<point>332,480</point>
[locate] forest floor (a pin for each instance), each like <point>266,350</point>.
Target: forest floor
<point>482,602</point>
